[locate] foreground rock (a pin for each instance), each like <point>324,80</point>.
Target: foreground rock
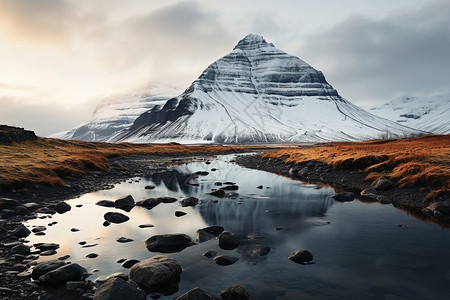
<point>117,288</point>
<point>115,217</point>
<point>45,267</point>
<point>69,272</point>
<point>235,292</point>
<point>168,243</point>
<point>125,203</point>
<point>301,256</point>
<point>382,184</point>
<point>228,240</point>
<point>194,294</point>
<point>438,209</point>
<point>156,273</point>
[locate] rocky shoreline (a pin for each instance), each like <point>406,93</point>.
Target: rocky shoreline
<point>352,180</point>
<point>15,260</point>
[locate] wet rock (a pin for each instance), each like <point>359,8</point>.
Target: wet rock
<point>106,223</point>
<point>180,213</point>
<point>156,273</point>
<point>62,207</point>
<point>125,203</point>
<point>101,280</point>
<point>129,263</point>
<point>21,210</point>
<point>214,229</point>
<point>210,253</point>
<point>168,243</point>
<point>218,193</point>
<point>191,201</point>
<point>344,197</point>
<point>384,200</point>
<point>146,226</point>
<point>45,267</point>
<point>105,203</point>
<point>124,240</point>
<point>301,256</point>
<point>117,289</point>
<point>149,187</point>
<point>166,199</point>
<point>235,292</point>
<point>148,203</point>
<point>225,260</point>
<point>21,231</point>
<point>115,217</point>
<point>202,173</point>
<point>6,203</point>
<point>39,229</point>
<point>92,255</point>
<point>438,209</point>
<point>228,240</point>
<point>194,294</point>
<point>46,246</point>
<point>21,249</point>
<point>48,253</point>
<point>230,188</point>
<point>74,229</point>
<point>203,236</point>
<point>259,187</point>
<point>382,184</point>
<point>69,272</point>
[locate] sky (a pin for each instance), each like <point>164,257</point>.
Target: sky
<point>59,58</point>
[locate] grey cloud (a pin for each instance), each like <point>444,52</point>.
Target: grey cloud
<point>403,54</point>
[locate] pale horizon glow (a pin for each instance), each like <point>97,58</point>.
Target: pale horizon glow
<point>59,58</point>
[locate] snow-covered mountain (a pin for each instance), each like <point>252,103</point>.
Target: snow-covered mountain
<point>259,94</point>
<point>117,113</point>
<point>430,114</point>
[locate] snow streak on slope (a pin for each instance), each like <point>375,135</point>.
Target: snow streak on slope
<point>117,113</point>
<point>430,114</point>
<point>259,94</point>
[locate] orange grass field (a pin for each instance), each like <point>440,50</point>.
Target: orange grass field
<point>48,161</point>
<point>422,161</point>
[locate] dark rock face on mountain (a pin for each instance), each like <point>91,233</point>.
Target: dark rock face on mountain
<point>258,94</point>
<point>9,134</point>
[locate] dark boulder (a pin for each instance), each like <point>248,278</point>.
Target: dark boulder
<point>115,217</point>
<point>69,272</point>
<point>210,253</point>
<point>125,203</point>
<point>180,213</point>
<point>228,240</point>
<point>191,201</point>
<point>149,187</point>
<point>118,289</point>
<point>45,267</point>
<point>148,203</point>
<point>235,292</point>
<point>168,243</point>
<point>218,193</point>
<point>225,260</point>
<point>344,197</point>
<point>167,199</point>
<point>129,263</point>
<point>21,249</point>
<point>21,231</point>
<point>203,236</point>
<point>214,229</point>
<point>62,207</point>
<point>301,256</point>
<point>382,184</point>
<point>46,246</point>
<point>105,203</point>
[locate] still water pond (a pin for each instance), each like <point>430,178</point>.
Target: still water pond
<point>360,250</point>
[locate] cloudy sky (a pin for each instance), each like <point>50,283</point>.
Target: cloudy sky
<point>58,58</point>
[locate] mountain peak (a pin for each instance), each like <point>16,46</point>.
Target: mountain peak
<point>252,41</point>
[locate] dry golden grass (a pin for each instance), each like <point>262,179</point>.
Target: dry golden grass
<point>48,161</point>
<point>422,161</point>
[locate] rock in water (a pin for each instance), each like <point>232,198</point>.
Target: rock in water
<point>301,256</point>
<point>156,273</point>
<point>194,294</point>
<point>225,260</point>
<point>115,217</point>
<point>148,203</point>
<point>106,203</point>
<point>125,203</point>
<point>118,289</point>
<point>70,272</point>
<point>235,292</point>
<point>228,240</point>
<point>168,243</point>
<point>344,197</point>
<point>62,207</point>
<point>191,201</point>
